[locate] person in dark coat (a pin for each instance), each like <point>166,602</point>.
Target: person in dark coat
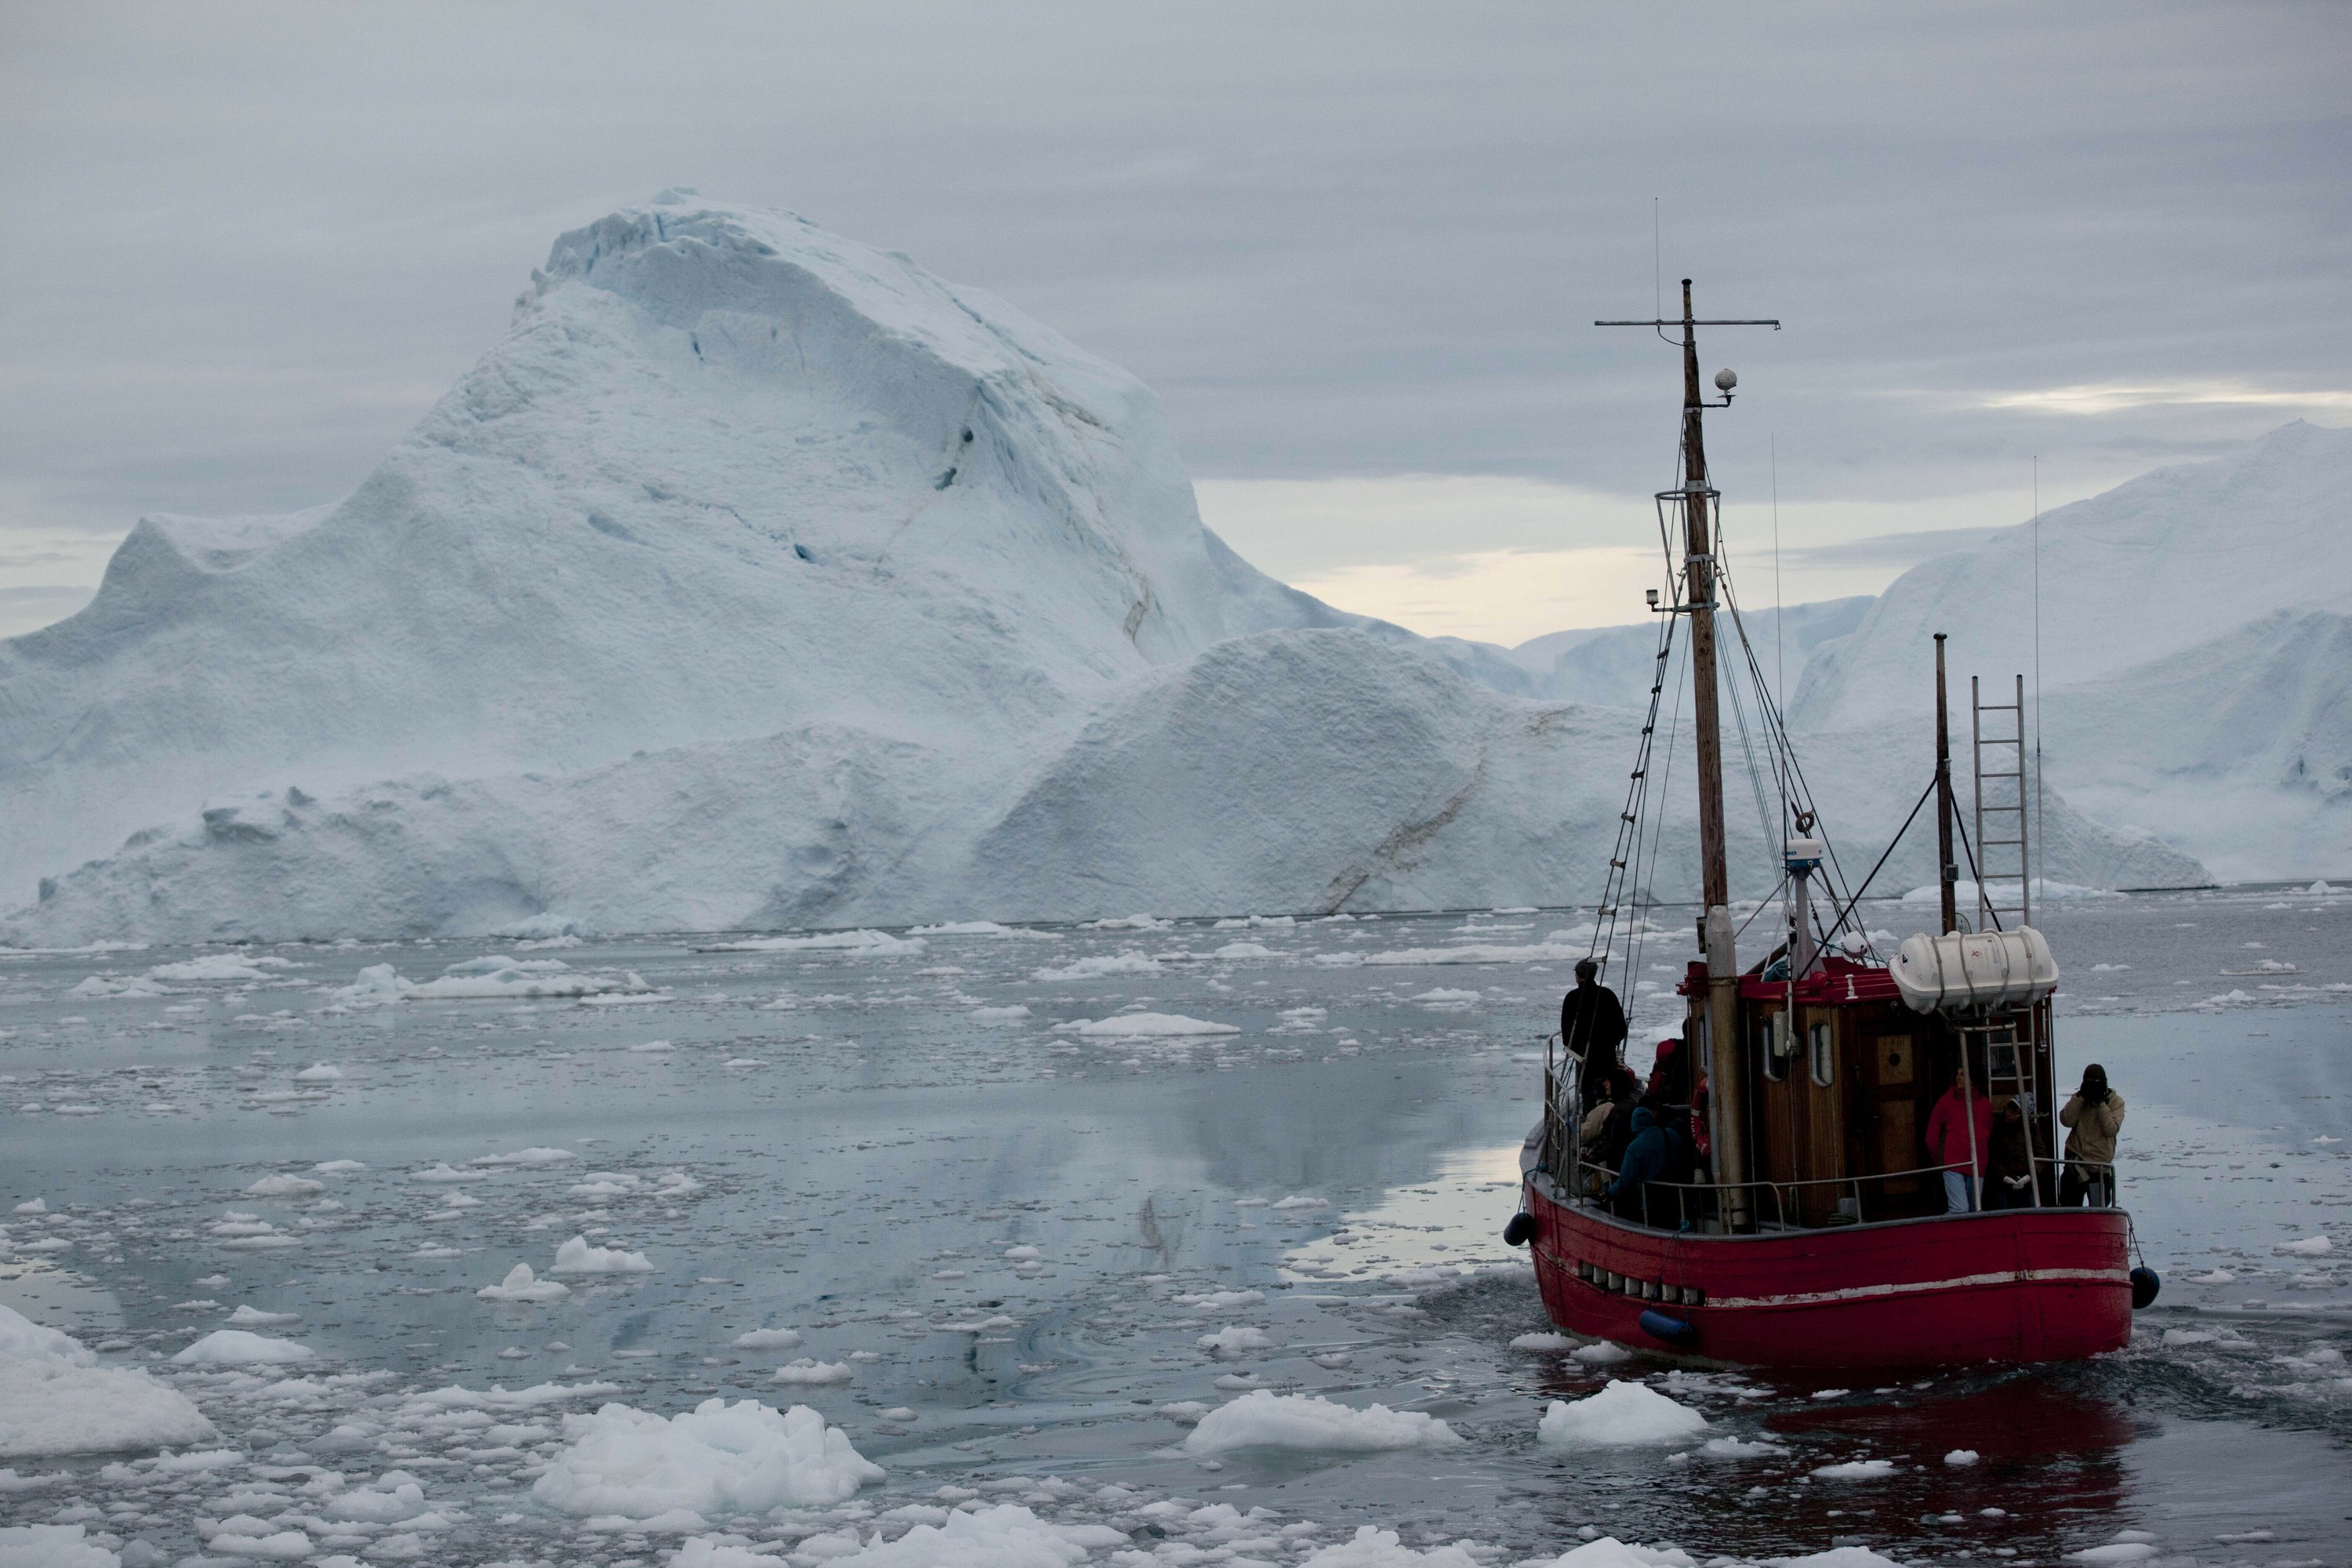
<point>1592,1028</point>
<point>2008,1178</point>
<point>1657,1153</point>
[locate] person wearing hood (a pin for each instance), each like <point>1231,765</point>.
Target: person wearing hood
<point>1657,1153</point>
<point>2096,1113</point>
<point>1609,1125</point>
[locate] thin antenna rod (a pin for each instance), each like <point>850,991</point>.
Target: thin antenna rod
<point>1657,262</point>
<point>2041,845</point>
<point>1780,669</point>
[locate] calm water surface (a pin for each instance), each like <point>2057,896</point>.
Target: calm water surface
<point>849,1144</point>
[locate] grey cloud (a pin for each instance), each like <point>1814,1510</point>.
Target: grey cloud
<point>1359,239</point>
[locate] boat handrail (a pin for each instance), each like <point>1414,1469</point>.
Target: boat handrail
<point>1784,1193</point>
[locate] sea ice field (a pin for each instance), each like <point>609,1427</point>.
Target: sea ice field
<point>1136,1244</point>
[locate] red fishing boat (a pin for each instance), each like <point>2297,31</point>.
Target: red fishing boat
<point>1814,1230</point>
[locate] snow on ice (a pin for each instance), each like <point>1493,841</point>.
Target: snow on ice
<point>1022,682</point>
<point>57,1398</point>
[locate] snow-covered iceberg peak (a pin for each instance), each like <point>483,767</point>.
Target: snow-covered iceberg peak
<point>727,475</point>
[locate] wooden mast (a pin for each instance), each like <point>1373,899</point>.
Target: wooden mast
<point>1727,1074</point>
<point>1727,1066</point>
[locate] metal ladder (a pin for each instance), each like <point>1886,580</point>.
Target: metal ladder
<point>2004,864</point>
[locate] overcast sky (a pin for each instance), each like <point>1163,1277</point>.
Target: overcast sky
<point>1357,248</point>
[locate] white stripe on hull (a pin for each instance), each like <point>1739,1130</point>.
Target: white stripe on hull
<point>1965,1282</point>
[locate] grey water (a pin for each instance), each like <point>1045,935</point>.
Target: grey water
<point>868,1145</point>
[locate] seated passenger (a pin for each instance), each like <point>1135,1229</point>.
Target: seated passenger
<point>1655,1154</point>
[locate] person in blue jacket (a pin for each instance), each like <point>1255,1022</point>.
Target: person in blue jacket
<point>1658,1153</point>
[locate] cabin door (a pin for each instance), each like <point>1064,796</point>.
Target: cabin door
<point>1890,1088</point>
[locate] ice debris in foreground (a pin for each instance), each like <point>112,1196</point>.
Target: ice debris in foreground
<point>716,1458</point>
<point>1263,1419</point>
<point>1621,1415</point>
<point>55,1398</point>
<point>521,1285</point>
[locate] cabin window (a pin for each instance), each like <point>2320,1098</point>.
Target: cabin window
<point>1700,1043</point>
<point>1778,1046</point>
<point>1824,1057</point>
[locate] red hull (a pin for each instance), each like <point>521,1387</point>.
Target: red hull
<point>2017,1285</point>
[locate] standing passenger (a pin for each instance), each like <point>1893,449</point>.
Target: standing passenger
<point>1592,1029</point>
<point>2008,1176</point>
<point>2097,1114</point>
<point>1959,1139</point>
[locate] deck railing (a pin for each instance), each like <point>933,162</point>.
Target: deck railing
<point>1561,1148</point>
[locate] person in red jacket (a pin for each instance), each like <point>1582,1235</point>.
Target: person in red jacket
<point>1959,1139</point>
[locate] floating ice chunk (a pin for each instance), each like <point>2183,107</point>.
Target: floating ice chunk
<point>1306,1423</point>
<point>2216,1277</point>
<point>32,1206</point>
<point>1445,995</point>
<point>52,1546</point>
<point>2310,1246</point>
<point>219,966</point>
<point>521,1285</point>
<point>654,1046</point>
<point>1234,949</point>
<point>444,1173</point>
<point>279,1546</point>
<point>709,1552</point>
<point>1300,1201</point>
<point>1128,922</point>
<point>1382,1549</point>
<point>236,1347</point>
<point>1600,1353</point>
<point>1545,1342</point>
<point>1836,1557</point>
<point>2114,1553</point>
<point>55,1398</point>
<point>859,943</point>
<point>1187,1411</point>
<point>1023,1253</point>
<point>1734,1448</point>
<point>768,1339</point>
<point>1856,1470</point>
<point>716,1458</point>
<point>284,1186</point>
<point>338,1167</point>
<point>1960,1458</point>
<point>319,1072</point>
<point>1223,1300</point>
<point>1095,965</point>
<point>396,1497</point>
<point>526,1157</point>
<point>1234,1339</point>
<point>806,1370</point>
<point>100,986</point>
<point>1621,1415</point>
<point>251,1316</point>
<point>576,1257</point>
<point>1142,1026</point>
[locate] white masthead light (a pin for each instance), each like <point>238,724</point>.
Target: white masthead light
<point>1724,381</point>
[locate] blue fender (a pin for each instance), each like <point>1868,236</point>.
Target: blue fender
<point>1679,1332</point>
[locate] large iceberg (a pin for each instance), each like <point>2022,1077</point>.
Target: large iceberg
<point>758,578</point>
